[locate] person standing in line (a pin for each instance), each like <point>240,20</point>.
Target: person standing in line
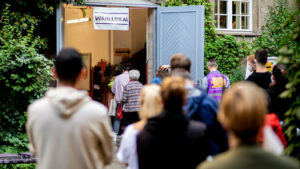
<point>251,65</point>
<point>199,106</point>
<point>170,139</point>
<point>118,88</point>
<point>65,128</point>
<point>160,74</point>
<point>261,77</point>
<point>151,105</point>
<point>215,82</point>
<point>242,113</point>
<point>130,98</point>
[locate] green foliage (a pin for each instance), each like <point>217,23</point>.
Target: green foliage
<point>225,49</point>
<point>276,28</point>
<point>290,55</point>
<point>24,74</point>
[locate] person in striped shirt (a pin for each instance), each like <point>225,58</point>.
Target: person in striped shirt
<point>130,98</point>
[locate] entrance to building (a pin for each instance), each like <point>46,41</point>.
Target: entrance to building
<point>155,34</point>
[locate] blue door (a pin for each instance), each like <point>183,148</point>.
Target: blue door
<point>181,30</point>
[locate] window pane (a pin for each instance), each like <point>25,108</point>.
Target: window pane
<point>245,22</point>
<point>216,19</point>
<point>236,7</point>
<point>245,8</point>
<point>223,22</point>
<point>236,22</point>
<point>216,6</point>
<point>223,7</point>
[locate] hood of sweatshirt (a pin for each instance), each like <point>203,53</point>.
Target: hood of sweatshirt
<point>66,100</point>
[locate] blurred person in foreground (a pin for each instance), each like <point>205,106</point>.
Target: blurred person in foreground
<point>151,105</point>
<point>66,129</point>
<point>200,106</point>
<point>261,76</point>
<point>170,139</point>
<point>242,112</point>
<point>130,98</point>
<point>215,82</point>
<point>161,73</point>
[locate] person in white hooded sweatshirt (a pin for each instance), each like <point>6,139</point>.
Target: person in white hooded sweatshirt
<point>66,129</point>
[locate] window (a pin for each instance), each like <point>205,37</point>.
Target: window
<point>233,15</point>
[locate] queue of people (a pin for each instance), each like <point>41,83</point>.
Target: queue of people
<point>172,123</point>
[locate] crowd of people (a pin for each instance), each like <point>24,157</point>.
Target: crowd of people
<point>170,123</point>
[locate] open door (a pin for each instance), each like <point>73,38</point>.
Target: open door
<point>181,30</point>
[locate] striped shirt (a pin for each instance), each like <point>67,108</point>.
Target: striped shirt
<point>131,96</point>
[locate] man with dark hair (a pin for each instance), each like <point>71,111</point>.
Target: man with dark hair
<point>261,76</point>
<point>215,82</point>
<point>199,105</point>
<point>118,88</point>
<point>65,128</point>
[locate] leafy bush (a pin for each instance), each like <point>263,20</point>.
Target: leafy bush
<point>277,27</point>
<point>24,75</point>
<point>225,49</point>
<point>290,55</point>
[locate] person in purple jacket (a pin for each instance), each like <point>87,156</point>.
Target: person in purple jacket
<point>215,82</point>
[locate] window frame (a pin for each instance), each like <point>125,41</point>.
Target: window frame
<point>230,16</point>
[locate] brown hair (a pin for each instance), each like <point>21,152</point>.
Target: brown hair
<point>242,111</point>
<point>173,94</point>
<point>161,72</point>
<point>180,61</point>
<point>212,63</point>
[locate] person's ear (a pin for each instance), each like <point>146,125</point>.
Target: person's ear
<point>54,73</point>
<point>83,74</point>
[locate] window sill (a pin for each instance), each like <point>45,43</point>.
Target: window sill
<point>238,33</point>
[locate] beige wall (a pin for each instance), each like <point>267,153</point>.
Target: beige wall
<point>138,26</point>
<point>135,37</point>
<point>84,38</point>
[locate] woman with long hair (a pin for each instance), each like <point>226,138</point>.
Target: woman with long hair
<point>150,106</point>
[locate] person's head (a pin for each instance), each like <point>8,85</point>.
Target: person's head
<point>134,74</point>
<point>173,94</point>
<point>69,66</point>
<point>116,70</point>
<point>278,74</point>
<point>252,63</point>
<point>181,73</point>
<point>150,101</point>
<point>180,61</point>
<point>126,67</point>
<point>161,72</point>
<point>242,111</point>
<point>261,56</point>
<point>212,64</point>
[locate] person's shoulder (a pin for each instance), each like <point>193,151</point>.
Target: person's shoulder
<point>218,162</point>
<point>94,108</point>
<point>38,105</point>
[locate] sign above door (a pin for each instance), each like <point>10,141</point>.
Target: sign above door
<point>111,18</point>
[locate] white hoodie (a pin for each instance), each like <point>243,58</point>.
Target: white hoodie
<point>67,130</point>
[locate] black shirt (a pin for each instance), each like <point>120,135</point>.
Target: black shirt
<point>172,141</point>
<point>263,80</point>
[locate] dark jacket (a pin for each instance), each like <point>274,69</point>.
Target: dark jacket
<point>203,108</point>
<point>172,141</point>
<point>263,80</point>
<point>249,157</point>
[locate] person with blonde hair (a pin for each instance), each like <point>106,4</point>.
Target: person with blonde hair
<point>170,139</point>
<point>242,112</point>
<point>150,106</point>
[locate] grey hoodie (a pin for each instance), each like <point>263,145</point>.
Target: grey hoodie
<point>66,129</point>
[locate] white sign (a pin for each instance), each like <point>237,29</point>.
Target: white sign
<point>111,18</point>
<point>270,64</point>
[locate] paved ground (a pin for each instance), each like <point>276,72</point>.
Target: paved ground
<point>115,163</point>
